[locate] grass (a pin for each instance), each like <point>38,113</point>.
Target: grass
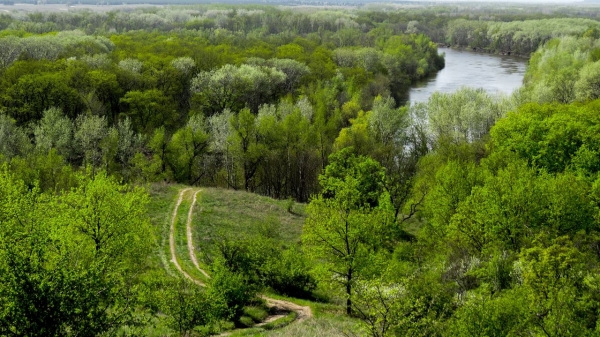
<point>328,320</point>
<point>182,253</point>
<point>281,322</point>
<point>162,199</point>
<point>262,330</point>
<point>258,314</point>
<point>338,326</point>
<point>236,214</point>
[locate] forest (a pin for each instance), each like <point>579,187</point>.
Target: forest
<point>471,214</point>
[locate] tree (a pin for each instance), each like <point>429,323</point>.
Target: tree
<point>127,145</point>
<point>189,306</point>
<point>110,218</point>
<point>400,144</point>
<point>553,273</point>
<point>148,109</point>
<point>482,315</point>
<point>11,51</point>
<point>293,70</point>
<point>376,305</point>
<point>54,131</point>
<point>348,173</point>
<point>104,87</point>
<point>232,288</point>
<point>587,86</point>
<point>231,87</point>
<point>13,140</point>
<point>179,81</point>
<point>35,93</point>
<point>248,146</point>
<point>464,116</point>
<point>90,131</point>
<point>69,263</point>
<point>350,222</point>
<point>187,149</point>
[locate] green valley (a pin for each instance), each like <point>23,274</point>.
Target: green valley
<point>253,170</point>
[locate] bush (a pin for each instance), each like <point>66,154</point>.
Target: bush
<point>232,288</point>
<point>288,273</point>
<point>190,307</point>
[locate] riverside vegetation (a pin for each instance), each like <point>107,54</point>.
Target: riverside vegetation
<point>470,214</point>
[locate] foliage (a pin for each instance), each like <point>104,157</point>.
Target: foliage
<point>69,262</point>
<point>234,290</point>
<point>350,222</point>
<point>455,217</point>
<point>273,98</point>
<point>189,307</point>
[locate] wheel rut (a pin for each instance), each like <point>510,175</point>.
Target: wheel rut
<point>173,246</point>
<point>190,237</point>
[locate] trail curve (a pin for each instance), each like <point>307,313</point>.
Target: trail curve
<point>303,312</point>
<point>172,245</point>
<point>190,238</point>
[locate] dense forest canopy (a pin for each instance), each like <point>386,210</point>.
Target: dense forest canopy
<point>169,103</point>
<point>469,214</point>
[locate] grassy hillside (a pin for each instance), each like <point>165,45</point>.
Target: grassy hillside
<point>160,210</point>
<point>232,214</point>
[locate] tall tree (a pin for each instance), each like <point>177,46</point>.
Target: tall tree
<point>349,222</point>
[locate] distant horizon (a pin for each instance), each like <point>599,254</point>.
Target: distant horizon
<point>305,2</point>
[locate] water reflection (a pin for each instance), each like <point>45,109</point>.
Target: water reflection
<point>494,73</point>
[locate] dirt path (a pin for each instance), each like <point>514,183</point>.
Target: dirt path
<point>303,312</point>
<point>190,238</point>
<point>172,240</point>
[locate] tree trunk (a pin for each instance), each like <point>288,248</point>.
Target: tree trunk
<point>349,293</point>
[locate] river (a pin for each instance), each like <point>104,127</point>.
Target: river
<point>494,73</point>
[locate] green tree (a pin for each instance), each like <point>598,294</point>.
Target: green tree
<point>481,315</point>
<point>249,148</point>
<point>232,288</point>
<point>190,307</point>
<point>35,93</point>
<point>54,131</point>
<point>148,109</point>
<point>587,86</point>
<point>349,223</point>
<point>110,218</point>
<point>187,149</point>
<point>69,263</point>
<point>13,140</point>
<point>553,273</point>
<point>231,87</point>
<point>90,131</point>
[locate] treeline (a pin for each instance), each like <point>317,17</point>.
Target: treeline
<point>312,72</point>
<point>333,24</point>
<point>516,37</point>
<point>199,107</point>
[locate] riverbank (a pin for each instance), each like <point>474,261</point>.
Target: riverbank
<point>485,51</point>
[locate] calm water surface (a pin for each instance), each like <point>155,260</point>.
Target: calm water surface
<point>494,73</point>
